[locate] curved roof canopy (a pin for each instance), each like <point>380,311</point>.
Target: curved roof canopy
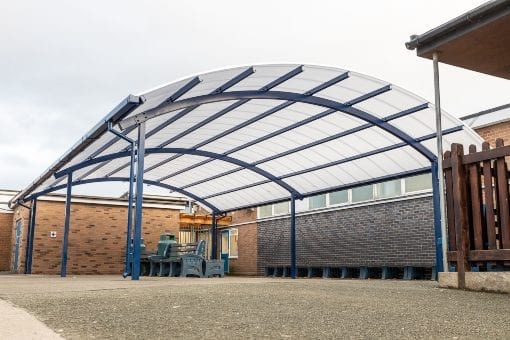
<point>247,136</point>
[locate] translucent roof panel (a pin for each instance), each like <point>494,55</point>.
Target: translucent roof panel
<point>250,135</point>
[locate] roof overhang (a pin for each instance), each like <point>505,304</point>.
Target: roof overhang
<point>478,40</point>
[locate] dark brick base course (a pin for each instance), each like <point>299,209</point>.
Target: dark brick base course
<point>393,234</point>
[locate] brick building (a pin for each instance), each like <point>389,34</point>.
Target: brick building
<point>97,239</point>
<point>335,230</point>
<point>5,229</point>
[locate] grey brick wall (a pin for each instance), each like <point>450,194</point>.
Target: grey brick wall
<point>387,234</point>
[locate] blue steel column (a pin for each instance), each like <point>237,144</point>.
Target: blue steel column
<point>127,270</point>
<point>437,218</point>
<point>30,239</point>
<point>135,273</point>
<point>293,265</point>
<point>63,266</point>
<point>214,237</point>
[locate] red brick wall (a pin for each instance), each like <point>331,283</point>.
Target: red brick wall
<point>97,236</point>
<point>491,133</point>
<point>5,240</point>
<point>246,263</point>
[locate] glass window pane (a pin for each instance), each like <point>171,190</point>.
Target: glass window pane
<point>233,243</point>
<point>316,202</point>
<point>388,189</point>
<point>281,208</point>
<point>419,183</point>
<point>265,211</point>
<point>364,193</point>
<point>224,242</point>
<point>338,197</point>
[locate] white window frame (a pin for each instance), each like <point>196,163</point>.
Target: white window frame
<point>230,234</point>
<point>417,192</point>
<point>349,199</point>
<point>326,203</point>
<point>374,198</point>
<point>273,211</point>
<point>368,200</point>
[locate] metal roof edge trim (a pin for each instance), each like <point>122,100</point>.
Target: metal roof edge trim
<point>484,112</point>
<point>476,17</point>
<point>116,114</point>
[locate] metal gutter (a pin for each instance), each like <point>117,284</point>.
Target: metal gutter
<point>119,112</point>
<point>469,21</point>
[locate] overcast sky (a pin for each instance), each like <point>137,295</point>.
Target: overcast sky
<point>65,64</point>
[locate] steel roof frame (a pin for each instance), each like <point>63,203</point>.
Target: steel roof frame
<point>181,107</point>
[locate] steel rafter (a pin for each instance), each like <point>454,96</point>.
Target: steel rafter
<point>287,96</point>
<point>334,163</point>
<point>243,75</point>
<point>402,174</point>
<point>292,127</point>
<point>123,179</point>
<point>176,95</point>
<point>183,151</point>
<point>233,106</point>
<point>294,150</point>
<point>261,116</point>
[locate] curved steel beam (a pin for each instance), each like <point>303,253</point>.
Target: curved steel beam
<point>287,96</point>
<point>184,151</point>
<point>125,179</point>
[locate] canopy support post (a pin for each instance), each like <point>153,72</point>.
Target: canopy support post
<point>437,218</point>
<point>135,272</point>
<point>129,236</point>
<point>214,237</point>
<point>63,266</point>
<point>439,170</point>
<point>30,238</point>
<point>129,232</point>
<point>293,265</point>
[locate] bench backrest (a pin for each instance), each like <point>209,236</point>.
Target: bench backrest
<point>180,249</point>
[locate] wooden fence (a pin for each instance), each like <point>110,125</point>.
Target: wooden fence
<point>478,212</point>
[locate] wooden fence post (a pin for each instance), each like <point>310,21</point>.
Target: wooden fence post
<point>504,212</point>
<point>461,213</point>
<point>450,211</point>
<point>475,189</point>
<point>489,200</point>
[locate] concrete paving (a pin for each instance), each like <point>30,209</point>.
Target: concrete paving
<point>16,323</point>
<point>109,307</point>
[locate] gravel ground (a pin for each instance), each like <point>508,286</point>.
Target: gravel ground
<point>112,308</point>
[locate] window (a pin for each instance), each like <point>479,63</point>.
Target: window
<point>364,193</point>
<point>316,202</point>
<point>339,197</point>
<point>233,235</point>
<point>265,211</point>
<point>418,183</point>
<point>224,241</point>
<point>388,189</point>
<point>281,208</point>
